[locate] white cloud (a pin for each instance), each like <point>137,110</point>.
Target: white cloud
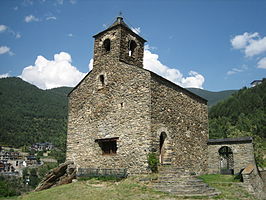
<point>18,35</point>
<point>152,63</point>
<point>15,8</point>
<point>136,30</point>
<point>241,41</point>
<point>73,1</point>
<point>251,43</point>
<point>70,35</point>
<point>4,75</point>
<point>3,28</point>
<point>256,47</point>
<point>61,2</point>
<point>90,64</point>
<point>31,18</point>
<point>237,70</point>
<point>5,49</point>
<point>47,74</point>
<point>51,18</point>
<point>262,63</point>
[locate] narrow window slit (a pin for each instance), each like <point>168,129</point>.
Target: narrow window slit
<point>101,77</point>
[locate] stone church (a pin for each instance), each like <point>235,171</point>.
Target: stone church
<point>120,112</point>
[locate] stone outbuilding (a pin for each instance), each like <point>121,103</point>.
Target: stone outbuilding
<point>230,155</point>
<point>120,112</point>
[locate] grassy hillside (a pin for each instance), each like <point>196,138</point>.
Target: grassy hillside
<point>212,97</point>
<point>29,114</point>
<point>132,189</point>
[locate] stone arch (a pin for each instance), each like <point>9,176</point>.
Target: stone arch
<point>164,147</point>
<point>132,48</point>
<point>101,80</point>
<point>107,45</point>
<point>226,160</point>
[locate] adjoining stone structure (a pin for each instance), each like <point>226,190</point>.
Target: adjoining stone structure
<point>230,155</point>
<point>120,112</point>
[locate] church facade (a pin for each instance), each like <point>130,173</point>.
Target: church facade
<point>120,112</point>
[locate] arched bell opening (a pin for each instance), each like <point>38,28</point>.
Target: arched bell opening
<point>131,48</point>
<point>107,45</point>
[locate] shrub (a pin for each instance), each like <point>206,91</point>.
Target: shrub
<point>153,162</point>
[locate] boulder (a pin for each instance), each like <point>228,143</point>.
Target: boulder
<point>63,174</point>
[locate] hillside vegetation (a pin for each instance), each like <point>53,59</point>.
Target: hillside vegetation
<point>212,97</point>
<point>29,114</point>
<point>243,114</point>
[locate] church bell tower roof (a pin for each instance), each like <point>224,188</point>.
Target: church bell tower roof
<point>120,22</point>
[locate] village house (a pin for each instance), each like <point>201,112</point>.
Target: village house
<point>45,146</point>
<point>13,162</point>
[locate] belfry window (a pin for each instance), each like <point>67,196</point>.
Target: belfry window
<point>131,47</point>
<point>107,45</point>
<point>108,145</point>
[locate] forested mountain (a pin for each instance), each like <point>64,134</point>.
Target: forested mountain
<point>29,114</point>
<point>245,110</point>
<point>243,114</point>
<point>212,97</point>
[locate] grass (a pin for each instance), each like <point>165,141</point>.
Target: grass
<point>132,189</point>
<point>229,187</point>
<point>94,189</point>
<point>214,178</point>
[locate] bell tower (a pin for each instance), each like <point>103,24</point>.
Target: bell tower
<point>118,43</point>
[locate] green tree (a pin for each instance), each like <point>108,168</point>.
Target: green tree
<point>234,132</point>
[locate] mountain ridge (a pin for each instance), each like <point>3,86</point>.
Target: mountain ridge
<point>31,115</point>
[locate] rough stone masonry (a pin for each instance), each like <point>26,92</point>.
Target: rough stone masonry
<point>120,112</point>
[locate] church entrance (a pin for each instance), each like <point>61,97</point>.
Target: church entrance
<point>162,147</point>
<point>226,160</point>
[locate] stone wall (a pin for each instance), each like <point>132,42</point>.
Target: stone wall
<point>254,182</point>
<point>119,99</point>
<point>243,153</point>
<point>119,38</point>
<point>183,116</point>
<point>121,108</point>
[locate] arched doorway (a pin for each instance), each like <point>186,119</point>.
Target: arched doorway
<point>162,147</point>
<point>226,160</point>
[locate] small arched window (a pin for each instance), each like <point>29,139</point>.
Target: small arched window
<point>107,45</point>
<point>131,47</point>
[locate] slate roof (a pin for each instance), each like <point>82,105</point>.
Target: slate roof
<point>230,140</point>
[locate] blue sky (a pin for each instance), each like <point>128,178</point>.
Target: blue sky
<point>215,45</point>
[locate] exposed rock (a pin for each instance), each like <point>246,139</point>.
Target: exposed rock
<point>63,174</point>
<point>254,182</point>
